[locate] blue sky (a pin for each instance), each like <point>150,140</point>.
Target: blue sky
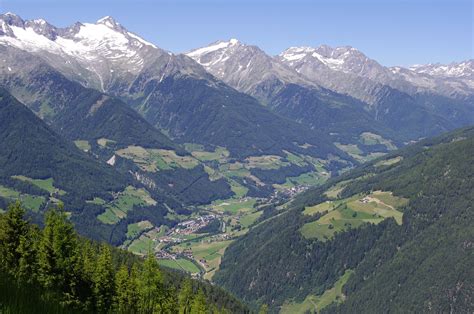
<point>394,32</point>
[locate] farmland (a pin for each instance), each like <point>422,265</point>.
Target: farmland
<point>180,264</point>
<point>153,160</point>
<point>352,212</point>
<point>44,184</point>
<point>368,138</point>
<point>124,202</point>
<point>31,202</point>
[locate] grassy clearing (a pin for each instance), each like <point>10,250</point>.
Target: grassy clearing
<point>326,206</point>
<point>235,169</point>
<point>124,202</point>
<point>295,159</point>
<point>265,162</point>
<point>190,147</point>
<point>105,142</point>
<point>145,243</point>
<point>314,303</point>
<point>333,191</point>
<point>31,202</point>
<point>143,158</point>
<point>389,162</point>
<point>142,245</point>
<point>153,160</point>
<point>96,201</point>
<point>352,213</point>
<point>238,189</point>
<point>220,154</point>
<point>368,138</point>
<point>174,160</point>
<point>133,230</point>
<point>309,178</point>
<point>351,149</point>
<point>234,206</point>
<point>248,219</point>
<point>44,184</point>
<point>355,152</point>
<point>83,145</point>
<point>180,264</point>
<point>208,251</point>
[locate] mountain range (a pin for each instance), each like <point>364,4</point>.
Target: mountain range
<point>296,181</point>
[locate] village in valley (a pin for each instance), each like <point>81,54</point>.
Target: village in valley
<point>197,243</point>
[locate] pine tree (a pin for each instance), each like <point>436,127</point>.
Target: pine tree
<point>199,303</point>
<point>28,250</point>
<point>185,297</point>
<point>58,254</point>
<point>152,292</point>
<point>133,289</point>
<point>104,280</point>
<point>13,228</point>
<point>121,299</point>
<point>84,270</point>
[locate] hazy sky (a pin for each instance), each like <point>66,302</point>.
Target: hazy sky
<point>394,32</point>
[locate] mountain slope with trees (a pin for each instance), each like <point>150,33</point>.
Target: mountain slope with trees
<point>390,261</point>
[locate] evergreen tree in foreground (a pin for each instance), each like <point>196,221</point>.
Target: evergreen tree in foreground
<point>54,270</point>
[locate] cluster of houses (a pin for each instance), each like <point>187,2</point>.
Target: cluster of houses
<point>191,226</point>
<point>288,193</point>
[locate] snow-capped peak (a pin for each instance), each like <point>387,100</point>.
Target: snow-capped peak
<point>103,49</point>
<point>454,70</point>
<point>324,54</point>
<point>108,21</point>
<point>40,21</point>
<point>218,45</point>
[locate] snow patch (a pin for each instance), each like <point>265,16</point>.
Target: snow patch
<point>141,40</point>
<point>219,45</point>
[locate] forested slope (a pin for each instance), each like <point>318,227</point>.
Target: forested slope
<point>276,263</point>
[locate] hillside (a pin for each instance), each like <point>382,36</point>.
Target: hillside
<point>42,169</point>
<point>30,148</point>
<point>381,222</point>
